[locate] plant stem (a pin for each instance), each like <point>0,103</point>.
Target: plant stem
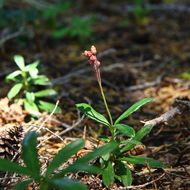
<point>24,75</point>
<point>107,108</point>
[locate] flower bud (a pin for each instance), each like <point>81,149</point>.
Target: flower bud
<point>93,50</point>
<point>92,58</point>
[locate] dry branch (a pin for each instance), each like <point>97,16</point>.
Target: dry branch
<point>180,107</point>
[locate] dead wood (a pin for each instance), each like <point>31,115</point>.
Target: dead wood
<point>179,108</point>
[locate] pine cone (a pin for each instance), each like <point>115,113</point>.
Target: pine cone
<point>10,141</point>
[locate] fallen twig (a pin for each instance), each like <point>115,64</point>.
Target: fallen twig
<point>7,37</point>
<point>181,106</point>
<point>145,85</point>
<point>143,185</point>
<point>124,9</point>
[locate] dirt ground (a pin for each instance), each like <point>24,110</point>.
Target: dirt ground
<point>136,61</point>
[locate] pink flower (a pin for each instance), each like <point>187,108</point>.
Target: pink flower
<point>91,55</point>
<point>93,50</point>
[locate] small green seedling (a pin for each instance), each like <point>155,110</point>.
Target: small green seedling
<point>77,28</point>
<point>115,165</point>
<point>53,177</point>
<point>185,75</point>
<point>141,13</point>
<point>27,81</point>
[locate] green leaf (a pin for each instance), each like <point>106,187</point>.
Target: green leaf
<point>145,130</point>
<point>41,80</point>
<point>30,154</point>
<point>108,174</point>
<point>185,75</point>
<point>82,167</point>
<point>53,10</point>
<point>23,185</point>
<point>130,144</point>
<point>133,108</point>
<point>128,179</point>
<point>123,173</point>
<point>67,184</point>
<point>9,166</point>
<point>30,97</point>
<point>59,33</point>
<point>14,90</point>
<point>104,138</point>
<point>47,92</point>
<point>32,66</point>
<point>31,107</point>
<point>13,75</point>
<point>144,161</point>
<point>19,60</point>
<point>32,69</point>
<point>105,149</point>
<point>64,154</point>
<point>49,107</point>
<point>91,113</point>
<point>125,130</point>
<point>33,72</point>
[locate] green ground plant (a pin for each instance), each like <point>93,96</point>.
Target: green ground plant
<point>140,12</point>
<point>115,165</point>
<point>185,75</point>
<point>54,178</point>
<point>50,18</point>
<point>27,82</point>
<point>77,28</point>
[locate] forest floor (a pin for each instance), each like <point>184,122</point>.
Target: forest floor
<point>136,62</point>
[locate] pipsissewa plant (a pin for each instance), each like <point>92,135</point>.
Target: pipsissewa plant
<point>115,165</point>
<point>27,80</point>
<point>54,178</point>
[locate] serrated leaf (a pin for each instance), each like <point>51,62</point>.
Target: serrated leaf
<point>125,130</point>
<point>67,184</point>
<point>91,113</point>
<point>108,174</point>
<point>49,107</point>
<point>13,75</point>
<point>123,173</point>
<point>144,161</point>
<point>15,90</point>
<point>133,108</point>
<point>30,154</point>
<point>23,185</point>
<point>43,93</point>
<point>9,166</point>
<point>19,60</point>
<point>64,154</point>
